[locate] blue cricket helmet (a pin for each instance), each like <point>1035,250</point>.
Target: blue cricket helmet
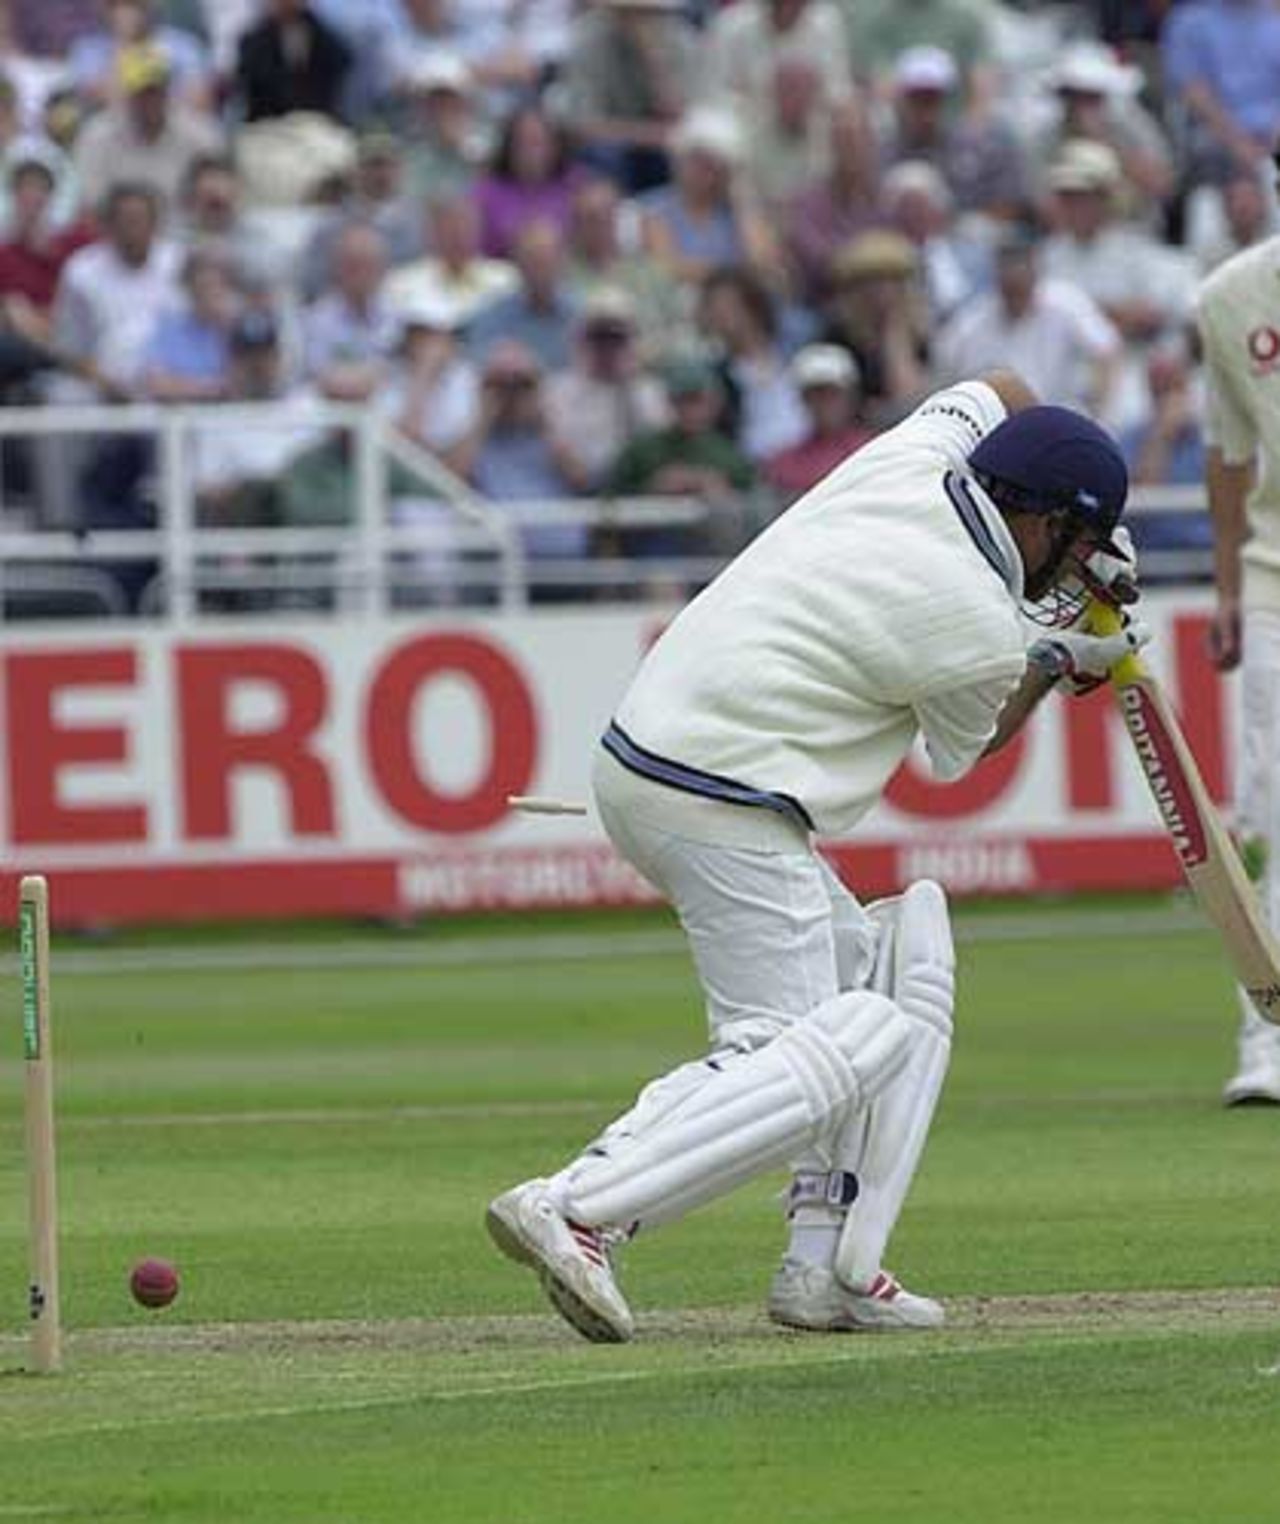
<point>1047,459</point>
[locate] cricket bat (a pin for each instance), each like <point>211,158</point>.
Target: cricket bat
<point>1208,855</point>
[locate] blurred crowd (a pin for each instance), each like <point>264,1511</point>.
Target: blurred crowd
<point>609,247</point>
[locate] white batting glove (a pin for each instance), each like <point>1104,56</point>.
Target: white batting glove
<point>1083,661</point>
<point>1114,579</point>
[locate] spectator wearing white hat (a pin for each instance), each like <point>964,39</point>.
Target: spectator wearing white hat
<point>631,72</point>
<point>826,377</point>
<point>444,138</point>
<point>599,255</point>
<point>707,216</point>
<point>604,398</point>
<point>880,31</point>
<point>1145,287</point>
<point>433,391</point>
<point>977,155</point>
<point>1096,97</point>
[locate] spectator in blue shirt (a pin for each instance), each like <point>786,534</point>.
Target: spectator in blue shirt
<point>1166,448</point>
<point>350,331</point>
<point>188,357</point>
<point>512,455</point>
<point>1222,71</point>
<point>540,313</point>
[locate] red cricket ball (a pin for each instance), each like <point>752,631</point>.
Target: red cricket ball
<point>154,1282</point>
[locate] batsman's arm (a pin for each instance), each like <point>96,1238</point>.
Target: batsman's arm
<point>1011,389</point>
<point>1020,706</point>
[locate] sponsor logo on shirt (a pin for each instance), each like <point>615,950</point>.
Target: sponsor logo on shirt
<point>1263,344</point>
<point>952,411</point>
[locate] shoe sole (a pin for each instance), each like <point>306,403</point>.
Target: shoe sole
<point>590,1323</point>
<point>849,1327</point>
<point>1234,1098</point>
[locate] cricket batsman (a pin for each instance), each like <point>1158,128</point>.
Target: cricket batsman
<point>889,601</point>
<point>1240,336</point>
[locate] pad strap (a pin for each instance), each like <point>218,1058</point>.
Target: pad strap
<point>837,1188</point>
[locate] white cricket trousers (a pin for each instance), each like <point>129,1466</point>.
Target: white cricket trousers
<point>773,933</point>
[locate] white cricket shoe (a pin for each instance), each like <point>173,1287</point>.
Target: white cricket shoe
<point>1257,1079</point>
<point>808,1296</point>
<point>571,1260</point>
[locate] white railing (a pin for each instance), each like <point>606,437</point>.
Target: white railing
<point>361,562</point>
<point>365,563</point>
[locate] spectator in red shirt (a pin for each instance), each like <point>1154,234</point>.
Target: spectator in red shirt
<point>34,251</point>
<point>827,379</point>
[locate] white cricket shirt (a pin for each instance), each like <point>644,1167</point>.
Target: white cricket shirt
<point>1239,316</point>
<point>884,602</point>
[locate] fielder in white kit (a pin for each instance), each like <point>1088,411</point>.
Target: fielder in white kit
<point>888,601</point>
<point>1239,321</point>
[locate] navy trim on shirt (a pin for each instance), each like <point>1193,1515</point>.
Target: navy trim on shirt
<point>970,515</point>
<point>692,780</point>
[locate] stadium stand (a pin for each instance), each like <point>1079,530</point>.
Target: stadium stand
<point>479,222</point>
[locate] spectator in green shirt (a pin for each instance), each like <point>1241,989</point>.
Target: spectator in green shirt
<point>688,458</point>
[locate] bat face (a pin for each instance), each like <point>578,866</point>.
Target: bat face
<point>1170,787</point>
<point>1205,849</point>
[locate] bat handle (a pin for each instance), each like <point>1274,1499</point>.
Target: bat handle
<point>1102,619</point>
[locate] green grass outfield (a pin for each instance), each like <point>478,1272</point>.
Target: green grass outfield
<point>312,1130</point>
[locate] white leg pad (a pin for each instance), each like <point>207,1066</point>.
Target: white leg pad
<point>883,1147</point>
<point>750,1115</point>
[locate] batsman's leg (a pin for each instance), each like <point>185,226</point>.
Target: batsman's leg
<point>875,1157</point>
<point>759,927</point>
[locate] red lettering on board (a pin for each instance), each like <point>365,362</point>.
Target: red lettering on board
<point>40,747</point>
<point>1090,734</point>
<point>212,751</point>
<point>1200,707</point>
<point>389,741</point>
<point>914,792</point>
